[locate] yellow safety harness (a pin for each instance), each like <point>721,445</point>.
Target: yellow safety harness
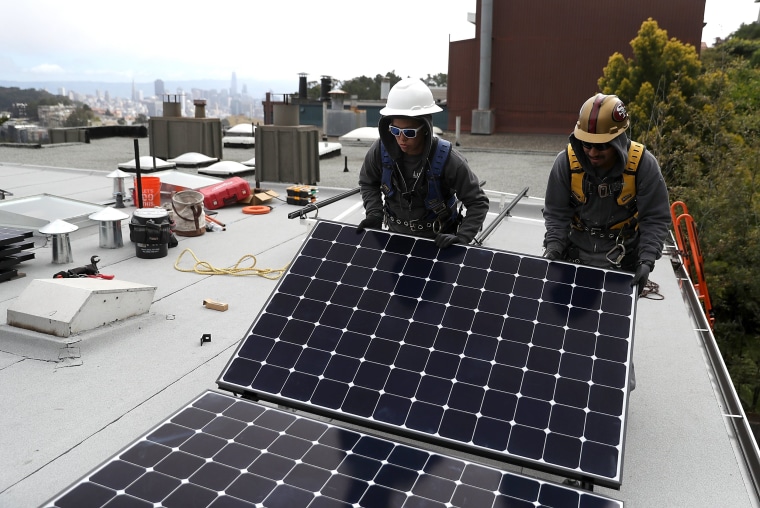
<point>627,189</point>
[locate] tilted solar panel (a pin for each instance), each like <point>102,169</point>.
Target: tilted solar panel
<point>223,452</point>
<point>499,354</point>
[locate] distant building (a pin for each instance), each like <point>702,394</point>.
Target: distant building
<point>18,110</point>
<point>158,88</point>
<point>54,116</point>
<point>233,85</point>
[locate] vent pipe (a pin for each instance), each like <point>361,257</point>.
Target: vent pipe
<point>385,88</point>
<point>200,108</point>
<point>302,89</point>
<point>326,85</point>
<point>486,36</point>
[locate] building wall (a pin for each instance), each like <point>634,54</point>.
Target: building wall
<point>547,57</point>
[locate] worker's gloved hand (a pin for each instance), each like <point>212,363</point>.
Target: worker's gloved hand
<point>444,240</point>
<point>371,222</point>
<point>552,255</point>
<point>642,276</point>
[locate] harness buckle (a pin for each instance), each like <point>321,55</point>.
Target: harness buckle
<point>617,260</point>
<point>603,189</point>
<point>437,225</point>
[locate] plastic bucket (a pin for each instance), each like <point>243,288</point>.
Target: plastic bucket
<point>189,216</point>
<point>151,191</point>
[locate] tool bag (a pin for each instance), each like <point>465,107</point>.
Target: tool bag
<point>189,216</point>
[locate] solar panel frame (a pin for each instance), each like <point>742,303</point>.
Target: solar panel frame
<point>532,411</point>
<point>222,451</point>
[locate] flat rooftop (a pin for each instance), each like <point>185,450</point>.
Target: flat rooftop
<point>73,403</point>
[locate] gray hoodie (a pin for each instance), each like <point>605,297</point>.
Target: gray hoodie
<point>601,212</point>
<point>409,180</point>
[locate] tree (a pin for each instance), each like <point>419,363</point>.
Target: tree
<point>662,72</point>
<point>366,88</point>
<point>701,119</point>
<point>439,79</point>
<point>80,117</point>
<point>31,97</point>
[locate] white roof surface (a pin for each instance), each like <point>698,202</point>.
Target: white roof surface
<point>242,129</point>
<point>69,405</point>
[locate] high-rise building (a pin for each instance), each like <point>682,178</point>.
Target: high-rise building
<point>158,87</point>
<point>233,85</point>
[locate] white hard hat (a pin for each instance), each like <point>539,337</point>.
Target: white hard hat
<point>410,97</point>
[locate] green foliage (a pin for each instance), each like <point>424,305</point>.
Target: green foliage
<point>661,70</point>
<point>31,97</point>
<point>366,88</point>
<point>701,119</point>
<point>747,32</point>
<point>439,79</point>
<point>80,117</point>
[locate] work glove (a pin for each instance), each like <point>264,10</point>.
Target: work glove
<point>371,222</point>
<point>642,276</point>
<point>552,255</point>
<point>444,240</point>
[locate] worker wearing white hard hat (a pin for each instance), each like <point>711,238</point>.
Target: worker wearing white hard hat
<point>415,183</point>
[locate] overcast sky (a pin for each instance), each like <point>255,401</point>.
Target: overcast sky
<point>141,40</point>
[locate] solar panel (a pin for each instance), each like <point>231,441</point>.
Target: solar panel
<point>220,451</point>
<point>14,259</point>
<point>12,235</point>
<point>15,248</point>
<point>504,355</point>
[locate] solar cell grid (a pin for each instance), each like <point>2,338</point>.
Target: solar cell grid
<point>220,451</point>
<point>502,354</point>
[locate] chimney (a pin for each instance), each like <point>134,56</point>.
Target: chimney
<point>302,90</point>
<point>385,88</point>
<point>326,87</point>
<point>200,108</point>
<point>172,106</point>
<point>337,97</point>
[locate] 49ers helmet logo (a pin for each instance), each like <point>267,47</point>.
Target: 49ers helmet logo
<point>619,114</point>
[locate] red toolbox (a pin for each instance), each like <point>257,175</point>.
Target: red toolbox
<point>225,193</point>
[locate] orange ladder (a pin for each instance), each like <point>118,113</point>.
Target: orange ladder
<point>693,262</point>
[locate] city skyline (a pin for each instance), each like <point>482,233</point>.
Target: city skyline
<point>255,89</point>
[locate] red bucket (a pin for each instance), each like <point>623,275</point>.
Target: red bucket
<point>151,191</point>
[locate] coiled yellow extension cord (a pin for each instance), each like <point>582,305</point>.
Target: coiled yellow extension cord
<point>205,268</point>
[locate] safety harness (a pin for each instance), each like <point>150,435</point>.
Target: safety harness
<point>625,189</point>
<point>580,187</point>
<point>441,213</point>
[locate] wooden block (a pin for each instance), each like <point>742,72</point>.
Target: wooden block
<point>214,305</point>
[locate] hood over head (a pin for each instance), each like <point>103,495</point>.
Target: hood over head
<point>389,140</point>
<point>619,143</point>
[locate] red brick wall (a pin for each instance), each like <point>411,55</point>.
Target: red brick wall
<point>548,55</point>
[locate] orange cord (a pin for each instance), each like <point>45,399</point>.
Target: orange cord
<point>257,209</point>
